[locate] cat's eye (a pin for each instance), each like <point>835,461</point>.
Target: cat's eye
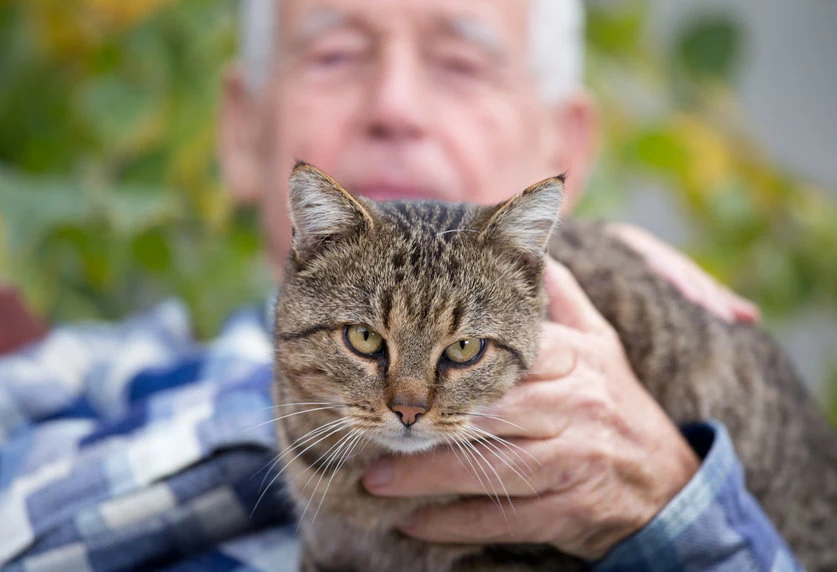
<point>465,351</point>
<point>363,340</point>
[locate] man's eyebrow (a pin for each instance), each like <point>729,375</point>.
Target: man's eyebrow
<point>318,22</point>
<point>475,32</point>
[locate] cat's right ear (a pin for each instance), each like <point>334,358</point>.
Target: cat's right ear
<point>525,221</point>
<point>321,210</point>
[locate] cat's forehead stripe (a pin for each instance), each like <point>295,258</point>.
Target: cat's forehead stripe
<point>456,317</point>
<point>425,216</point>
<point>386,307</point>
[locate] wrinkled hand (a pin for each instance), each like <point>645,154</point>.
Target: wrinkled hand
<point>591,456</point>
<point>687,276</point>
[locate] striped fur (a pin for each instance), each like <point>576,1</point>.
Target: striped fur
<point>426,274</point>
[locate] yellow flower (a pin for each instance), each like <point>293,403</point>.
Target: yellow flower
<point>69,29</point>
<point>123,13</point>
<point>709,159</point>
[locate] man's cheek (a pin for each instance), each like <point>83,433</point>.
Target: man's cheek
<point>315,132</point>
<point>489,141</point>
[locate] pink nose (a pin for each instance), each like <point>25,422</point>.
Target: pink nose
<point>408,414</point>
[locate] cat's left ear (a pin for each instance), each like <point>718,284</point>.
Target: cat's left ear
<point>321,210</point>
<point>525,221</point>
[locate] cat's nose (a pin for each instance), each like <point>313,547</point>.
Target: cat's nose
<point>408,414</point>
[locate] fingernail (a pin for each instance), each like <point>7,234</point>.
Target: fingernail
<point>379,475</point>
<point>750,307</point>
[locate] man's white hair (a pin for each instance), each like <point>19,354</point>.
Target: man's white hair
<point>556,44</point>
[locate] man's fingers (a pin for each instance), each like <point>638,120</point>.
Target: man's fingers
<point>482,521</point>
<point>558,353</point>
<point>742,309</point>
<point>709,294</point>
<point>568,304</point>
<point>532,410</point>
<point>467,469</point>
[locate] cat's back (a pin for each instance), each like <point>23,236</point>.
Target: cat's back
<point>699,367</point>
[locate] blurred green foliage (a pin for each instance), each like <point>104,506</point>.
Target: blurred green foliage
<point>110,197</point>
<point>669,115</point>
<point>109,192</point>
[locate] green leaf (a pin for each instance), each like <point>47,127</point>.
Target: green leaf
<point>616,28</point>
<point>117,109</point>
<point>134,208</point>
<point>152,251</point>
<point>659,150</point>
<point>31,207</point>
<point>709,47</point>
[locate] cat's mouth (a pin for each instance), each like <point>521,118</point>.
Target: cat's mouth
<point>406,441</point>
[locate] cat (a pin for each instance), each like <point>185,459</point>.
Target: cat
<point>384,305</point>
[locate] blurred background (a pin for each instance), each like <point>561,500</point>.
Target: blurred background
<point>719,135</point>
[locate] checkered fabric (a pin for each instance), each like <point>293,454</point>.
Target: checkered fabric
<point>130,446</point>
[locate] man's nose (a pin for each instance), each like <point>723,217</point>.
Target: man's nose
<point>397,108</point>
<point>408,413</point>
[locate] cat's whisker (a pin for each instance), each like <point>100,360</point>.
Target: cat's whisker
<point>494,449</point>
<point>452,441</point>
<point>475,450</point>
<point>332,453</point>
<point>293,404</point>
<point>464,447</point>
<point>474,462</point>
<point>495,497</point>
<point>337,468</point>
<point>313,434</point>
<point>497,452</point>
<point>328,434</point>
<point>329,430</point>
<point>486,440</point>
<point>326,457</point>
<point>272,407</point>
<point>496,418</point>
<point>505,442</point>
<point>486,437</point>
<point>274,420</point>
<point>366,439</point>
<point>348,443</point>
<point>299,441</point>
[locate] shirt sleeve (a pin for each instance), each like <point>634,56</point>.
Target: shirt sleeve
<point>712,524</point>
<point>83,370</point>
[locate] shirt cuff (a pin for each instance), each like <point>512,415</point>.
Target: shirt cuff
<point>712,524</point>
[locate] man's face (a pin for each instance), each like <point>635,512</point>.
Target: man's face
<point>404,99</point>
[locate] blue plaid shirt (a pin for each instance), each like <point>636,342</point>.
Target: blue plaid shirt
<point>130,446</point>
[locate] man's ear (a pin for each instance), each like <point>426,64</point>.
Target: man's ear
<point>575,124</point>
<point>524,222</point>
<point>239,139</point>
<point>322,211</point>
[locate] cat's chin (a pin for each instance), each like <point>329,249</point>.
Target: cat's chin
<point>406,443</point>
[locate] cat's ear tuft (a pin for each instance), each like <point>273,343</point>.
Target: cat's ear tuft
<point>321,210</point>
<point>525,221</point>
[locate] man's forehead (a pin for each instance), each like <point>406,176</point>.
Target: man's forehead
<point>487,22</point>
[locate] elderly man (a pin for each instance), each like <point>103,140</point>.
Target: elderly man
<point>455,100</point>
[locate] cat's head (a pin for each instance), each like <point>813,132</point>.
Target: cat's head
<point>413,315</point>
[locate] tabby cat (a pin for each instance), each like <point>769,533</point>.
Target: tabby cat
<point>383,302</point>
